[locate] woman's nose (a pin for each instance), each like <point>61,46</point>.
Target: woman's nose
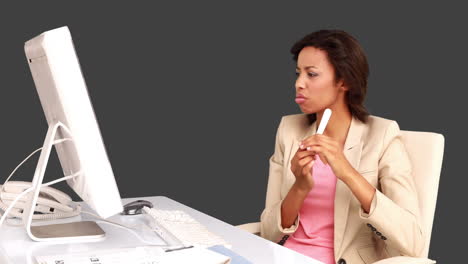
<point>300,84</point>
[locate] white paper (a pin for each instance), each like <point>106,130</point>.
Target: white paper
<point>138,255</point>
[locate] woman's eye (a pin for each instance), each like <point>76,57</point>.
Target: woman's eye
<point>310,74</point>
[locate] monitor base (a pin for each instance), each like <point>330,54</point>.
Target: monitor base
<point>85,230</point>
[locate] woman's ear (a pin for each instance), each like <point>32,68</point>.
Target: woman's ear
<point>342,86</point>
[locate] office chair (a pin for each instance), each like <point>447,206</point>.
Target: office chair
<point>425,150</point>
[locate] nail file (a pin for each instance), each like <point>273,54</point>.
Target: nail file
<point>323,123</point>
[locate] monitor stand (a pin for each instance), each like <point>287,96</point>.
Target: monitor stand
<point>85,231</point>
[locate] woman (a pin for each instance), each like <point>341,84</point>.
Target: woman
<point>346,196</point>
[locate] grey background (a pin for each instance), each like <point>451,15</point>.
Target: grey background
<point>189,95</point>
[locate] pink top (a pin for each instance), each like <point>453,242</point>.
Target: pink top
<point>314,235</point>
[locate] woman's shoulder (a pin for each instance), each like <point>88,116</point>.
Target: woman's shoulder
<point>380,124</point>
<point>379,131</point>
<point>295,125</point>
<point>377,122</point>
<point>296,120</point>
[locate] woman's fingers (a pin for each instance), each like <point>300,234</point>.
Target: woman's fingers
<point>320,146</point>
<point>306,154</point>
<point>319,140</point>
<point>304,161</point>
<point>307,169</point>
<point>321,151</point>
<point>301,166</point>
<point>301,153</point>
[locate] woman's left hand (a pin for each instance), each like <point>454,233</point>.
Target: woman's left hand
<point>330,152</point>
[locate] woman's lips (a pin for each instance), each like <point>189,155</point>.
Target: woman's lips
<point>300,100</point>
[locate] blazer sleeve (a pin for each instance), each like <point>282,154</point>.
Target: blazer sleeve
<point>394,210</point>
<point>270,220</point>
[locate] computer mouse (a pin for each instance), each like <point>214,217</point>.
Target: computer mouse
<point>134,208</point>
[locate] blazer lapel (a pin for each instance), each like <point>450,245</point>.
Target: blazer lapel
<point>352,151</point>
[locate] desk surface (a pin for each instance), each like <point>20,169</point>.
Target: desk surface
<point>16,247</point>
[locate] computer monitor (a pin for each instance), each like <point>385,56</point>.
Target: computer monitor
<point>64,97</point>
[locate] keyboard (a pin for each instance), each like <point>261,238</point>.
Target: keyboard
<point>138,255</point>
<point>178,228</point>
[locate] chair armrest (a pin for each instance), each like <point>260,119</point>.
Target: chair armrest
<point>405,260</point>
<point>253,228</point>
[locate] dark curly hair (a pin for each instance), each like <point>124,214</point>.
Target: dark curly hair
<point>349,63</point>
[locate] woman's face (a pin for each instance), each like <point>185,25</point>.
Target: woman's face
<point>316,88</point>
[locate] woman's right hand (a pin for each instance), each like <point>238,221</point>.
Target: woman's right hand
<point>301,167</point>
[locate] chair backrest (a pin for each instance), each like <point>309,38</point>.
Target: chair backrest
<point>426,151</point>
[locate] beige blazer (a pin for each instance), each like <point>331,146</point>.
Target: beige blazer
<point>376,151</point>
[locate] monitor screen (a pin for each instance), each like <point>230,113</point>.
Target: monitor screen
<point>64,98</point>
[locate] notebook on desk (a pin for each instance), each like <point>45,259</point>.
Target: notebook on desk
<point>235,258</point>
<point>138,255</point>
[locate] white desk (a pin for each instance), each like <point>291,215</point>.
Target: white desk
<point>17,248</point>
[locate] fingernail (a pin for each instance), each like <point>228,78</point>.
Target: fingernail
<point>302,146</point>
<point>308,148</point>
